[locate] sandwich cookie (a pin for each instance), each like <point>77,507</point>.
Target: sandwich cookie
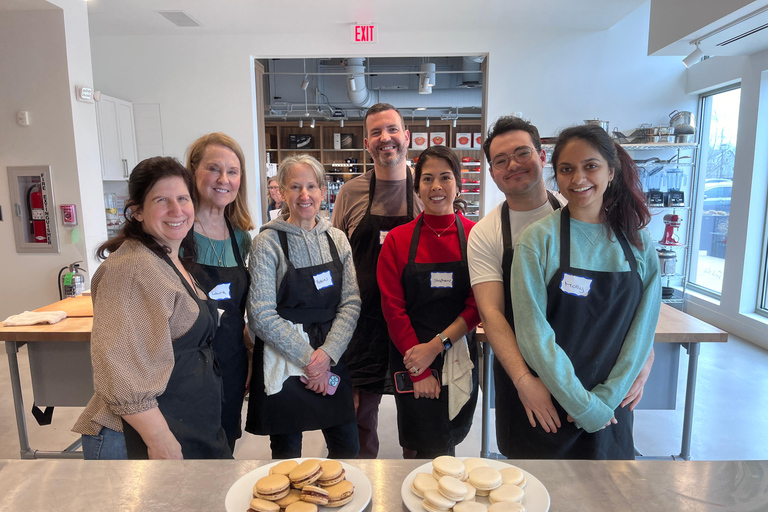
<point>484,480</point>
<point>422,482</point>
<point>293,496</point>
<point>333,473</point>
<point>506,506</point>
<point>305,473</point>
<point>471,491</point>
<point>340,494</point>
<point>452,488</point>
<point>506,492</point>
<point>470,506</point>
<point>272,487</point>
<point>283,468</point>
<point>314,494</point>
<point>301,506</point>
<point>472,463</point>
<point>436,502</point>
<point>445,465</point>
<point>260,505</point>
<point>512,475</point>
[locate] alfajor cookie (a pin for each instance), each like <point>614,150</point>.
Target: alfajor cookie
<point>452,488</point>
<point>506,506</point>
<point>333,473</point>
<point>260,505</point>
<point>305,473</point>
<point>436,502</point>
<point>445,465</point>
<point>283,468</point>
<point>485,480</point>
<point>470,506</point>
<point>423,482</point>
<point>472,463</point>
<point>506,492</point>
<point>512,475</point>
<point>293,496</point>
<point>314,494</point>
<point>271,487</point>
<point>340,494</point>
<point>471,491</point>
<point>301,506</point>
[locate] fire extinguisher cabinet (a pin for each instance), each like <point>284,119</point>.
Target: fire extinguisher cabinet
<point>34,214</point>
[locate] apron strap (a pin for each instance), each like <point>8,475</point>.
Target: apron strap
<point>283,236</point>
<point>508,253</point>
<point>408,192</point>
<point>235,248</point>
<point>552,201</point>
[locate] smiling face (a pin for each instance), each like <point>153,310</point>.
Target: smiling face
<point>217,177</point>
<point>437,187</point>
<point>274,192</point>
<point>387,140</point>
<point>583,176</point>
<point>303,194</point>
<point>167,212</point>
<point>518,180</point>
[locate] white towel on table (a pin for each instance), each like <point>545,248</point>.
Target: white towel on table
<point>35,317</point>
<point>457,373</point>
<point>277,369</point>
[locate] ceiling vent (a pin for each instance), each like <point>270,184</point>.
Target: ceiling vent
<point>179,18</point>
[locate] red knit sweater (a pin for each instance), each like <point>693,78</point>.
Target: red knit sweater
<point>431,249</point>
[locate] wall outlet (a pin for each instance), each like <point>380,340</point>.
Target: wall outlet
<point>22,118</point>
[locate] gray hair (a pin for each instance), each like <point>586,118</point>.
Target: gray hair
<point>292,161</point>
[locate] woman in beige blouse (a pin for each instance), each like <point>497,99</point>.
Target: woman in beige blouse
<point>154,377</point>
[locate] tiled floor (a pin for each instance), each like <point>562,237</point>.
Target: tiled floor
<point>730,420</point>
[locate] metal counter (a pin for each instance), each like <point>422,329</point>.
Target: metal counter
<point>594,486</point>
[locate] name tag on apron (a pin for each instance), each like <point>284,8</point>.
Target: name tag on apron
<point>382,236</point>
<point>323,280</point>
<point>441,280</point>
<point>575,285</point>
<point>220,292</point>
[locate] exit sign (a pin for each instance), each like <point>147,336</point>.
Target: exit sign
<point>365,34</point>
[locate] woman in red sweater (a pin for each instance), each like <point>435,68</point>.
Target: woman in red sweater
<point>429,307</point>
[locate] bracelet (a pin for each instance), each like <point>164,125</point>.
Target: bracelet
<point>520,378</point>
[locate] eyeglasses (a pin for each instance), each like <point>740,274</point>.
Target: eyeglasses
<point>273,188</point>
<point>521,155</point>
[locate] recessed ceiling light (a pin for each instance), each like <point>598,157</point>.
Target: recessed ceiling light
<point>179,18</point>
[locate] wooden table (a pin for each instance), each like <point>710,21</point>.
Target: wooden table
<point>674,326</point>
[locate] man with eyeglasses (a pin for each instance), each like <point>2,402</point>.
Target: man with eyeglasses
<point>516,165</point>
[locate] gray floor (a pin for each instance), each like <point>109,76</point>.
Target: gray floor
<point>730,419</point>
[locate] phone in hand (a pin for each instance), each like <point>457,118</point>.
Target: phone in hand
<point>404,384</point>
<point>333,382</point>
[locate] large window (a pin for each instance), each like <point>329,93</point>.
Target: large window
<point>718,128</point>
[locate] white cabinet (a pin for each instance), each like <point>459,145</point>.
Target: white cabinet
<point>117,138</point>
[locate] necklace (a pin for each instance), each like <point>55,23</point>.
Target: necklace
<point>219,258</point>
<point>443,231</point>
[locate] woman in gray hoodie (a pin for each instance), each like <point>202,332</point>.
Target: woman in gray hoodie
<point>303,306</point>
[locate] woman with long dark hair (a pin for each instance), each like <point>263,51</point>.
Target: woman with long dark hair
<point>586,297</point>
<point>429,307</point>
<point>153,372</point>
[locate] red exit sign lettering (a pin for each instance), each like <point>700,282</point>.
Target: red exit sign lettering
<point>365,34</point>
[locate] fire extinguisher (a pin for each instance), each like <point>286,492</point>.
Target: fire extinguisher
<point>36,214</point>
<point>73,282</point>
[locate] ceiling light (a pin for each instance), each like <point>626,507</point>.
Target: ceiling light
<point>424,87</point>
<point>304,83</point>
<point>454,123</point>
<point>694,57</point>
<point>341,123</point>
<point>301,123</point>
<point>427,123</point>
<point>312,124</point>
<point>352,84</point>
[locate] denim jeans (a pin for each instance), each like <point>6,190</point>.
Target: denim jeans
<point>107,445</point>
<point>341,440</point>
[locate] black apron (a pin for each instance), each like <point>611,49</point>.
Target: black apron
<point>504,389</point>
<point>295,408</point>
<point>591,331</point>
<point>230,288</point>
<point>368,351</point>
<point>423,423</point>
<point>191,402</point>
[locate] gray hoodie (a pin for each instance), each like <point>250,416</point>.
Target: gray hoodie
<point>268,266</point>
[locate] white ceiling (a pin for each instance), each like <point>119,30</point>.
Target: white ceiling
<point>139,17</point>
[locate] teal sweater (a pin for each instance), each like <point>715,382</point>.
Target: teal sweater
<point>207,256</point>
<point>537,258</point>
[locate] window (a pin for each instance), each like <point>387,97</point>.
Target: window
<point>717,128</point>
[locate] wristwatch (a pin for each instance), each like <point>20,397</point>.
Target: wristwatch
<point>445,340</point>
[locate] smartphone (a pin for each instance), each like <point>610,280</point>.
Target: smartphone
<point>404,384</point>
<point>333,382</point>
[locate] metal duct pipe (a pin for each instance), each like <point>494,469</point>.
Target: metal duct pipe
<point>471,80</point>
<point>445,98</point>
<point>357,90</point>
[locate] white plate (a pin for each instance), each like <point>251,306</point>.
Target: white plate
<point>536,497</point>
<point>241,493</point>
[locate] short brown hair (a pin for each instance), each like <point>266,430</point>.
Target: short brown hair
<point>378,108</point>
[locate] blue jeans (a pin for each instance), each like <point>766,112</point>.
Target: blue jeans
<point>341,440</point>
<point>107,445</point>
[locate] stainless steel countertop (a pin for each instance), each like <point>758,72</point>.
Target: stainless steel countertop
<point>594,486</point>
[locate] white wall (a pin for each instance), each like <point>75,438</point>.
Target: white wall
<point>202,83</point>
<point>38,75</point>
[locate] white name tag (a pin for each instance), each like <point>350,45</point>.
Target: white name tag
<point>220,292</point>
<point>382,236</point>
<point>441,280</point>
<point>575,285</point>
<point>323,280</point>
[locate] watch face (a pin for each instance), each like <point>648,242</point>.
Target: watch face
<point>447,345</point>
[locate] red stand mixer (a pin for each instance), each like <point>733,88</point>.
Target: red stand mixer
<point>672,222</point>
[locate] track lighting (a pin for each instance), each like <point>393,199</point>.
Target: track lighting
<point>694,57</point>
<point>304,83</point>
<point>454,123</point>
<point>427,123</point>
<point>341,123</point>
<point>312,124</point>
<point>301,123</point>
